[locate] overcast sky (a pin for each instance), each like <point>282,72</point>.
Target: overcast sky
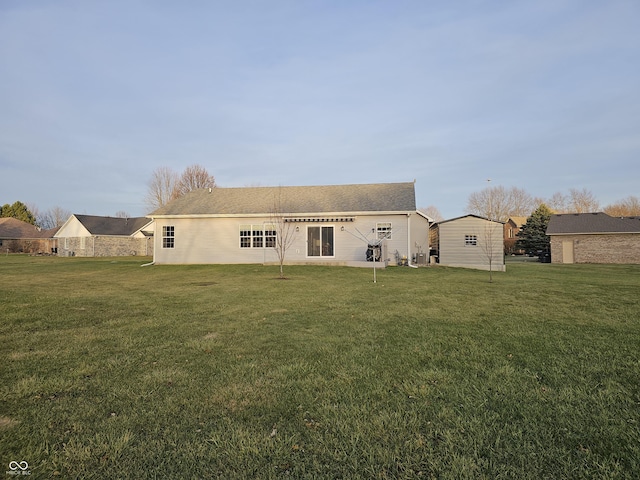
<point>540,95</point>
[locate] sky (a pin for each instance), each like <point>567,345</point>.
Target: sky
<point>540,95</point>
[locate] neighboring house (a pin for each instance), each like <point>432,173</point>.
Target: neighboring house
<point>94,236</point>
<point>471,242</point>
<point>594,238</point>
<point>331,225</point>
<point>17,236</point>
<point>511,229</point>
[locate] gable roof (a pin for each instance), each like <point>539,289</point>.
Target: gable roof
<point>379,197</point>
<point>12,228</point>
<point>467,216</point>
<point>112,225</point>
<point>517,221</point>
<point>584,223</point>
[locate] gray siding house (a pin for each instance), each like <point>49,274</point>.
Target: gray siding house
<point>594,238</point>
<point>330,225</point>
<point>95,236</point>
<point>471,242</point>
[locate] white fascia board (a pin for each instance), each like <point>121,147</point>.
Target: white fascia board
<point>283,214</point>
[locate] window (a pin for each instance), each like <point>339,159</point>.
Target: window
<point>270,236</point>
<point>383,229</point>
<point>257,236</point>
<point>245,236</point>
<point>83,243</point>
<point>470,240</point>
<point>320,242</point>
<point>168,236</point>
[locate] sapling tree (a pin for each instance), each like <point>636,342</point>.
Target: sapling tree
<point>283,231</point>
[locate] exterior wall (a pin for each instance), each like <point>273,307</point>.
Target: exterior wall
<point>419,239</point>
<point>603,248</point>
<point>511,230</point>
<point>454,253</point>
<point>42,246</point>
<point>105,246</point>
<point>217,240</point>
<point>73,228</point>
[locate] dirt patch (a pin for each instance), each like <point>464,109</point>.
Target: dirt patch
<point>6,423</point>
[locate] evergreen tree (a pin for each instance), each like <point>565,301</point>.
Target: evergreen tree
<point>533,236</point>
<point>18,210</point>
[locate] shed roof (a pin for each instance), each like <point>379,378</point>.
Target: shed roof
<point>379,197</point>
<point>585,223</point>
<point>97,225</point>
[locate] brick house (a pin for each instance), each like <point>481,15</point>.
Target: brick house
<point>511,229</point>
<point>594,238</point>
<point>94,236</point>
<point>17,236</point>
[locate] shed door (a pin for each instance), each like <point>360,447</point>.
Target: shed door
<point>567,251</point>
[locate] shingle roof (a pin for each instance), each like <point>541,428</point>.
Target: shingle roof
<point>112,225</point>
<point>581,223</point>
<point>12,228</point>
<point>380,197</point>
<point>518,221</point>
<point>468,216</point>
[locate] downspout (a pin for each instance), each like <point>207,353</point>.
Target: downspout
<point>154,247</point>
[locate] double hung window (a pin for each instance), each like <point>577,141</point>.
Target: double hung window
<point>257,236</point>
<point>168,236</point>
<point>383,230</point>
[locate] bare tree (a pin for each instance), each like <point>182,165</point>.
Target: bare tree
<point>490,241</point>
<point>577,201</point>
<point>521,203</point>
<point>627,207</point>
<point>162,188</point>
<point>122,214</point>
<point>582,201</point>
<point>194,177</point>
<point>52,218</point>
<point>432,212</point>
<point>284,231</point>
<point>558,203</point>
<point>499,203</point>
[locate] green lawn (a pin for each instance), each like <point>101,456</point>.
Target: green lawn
<point>111,370</point>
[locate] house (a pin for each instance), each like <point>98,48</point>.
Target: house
<point>471,242</point>
<point>17,236</point>
<point>511,229</point>
<point>328,224</point>
<point>94,236</point>
<point>594,238</point>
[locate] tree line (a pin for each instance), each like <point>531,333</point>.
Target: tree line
<point>165,185</point>
<point>500,203</point>
<point>495,202</point>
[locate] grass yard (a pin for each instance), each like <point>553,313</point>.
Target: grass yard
<point>110,370</point>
